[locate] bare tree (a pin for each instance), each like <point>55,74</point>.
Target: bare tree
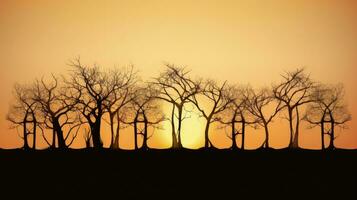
<point>263,107</point>
<point>212,100</point>
<point>237,117</point>
<point>176,87</point>
<point>57,111</point>
<point>89,93</point>
<point>145,112</point>
<point>120,97</point>
<point>328,111</point>
<point>294,91</point>
<point>22,113</point>
<point>95,87</point>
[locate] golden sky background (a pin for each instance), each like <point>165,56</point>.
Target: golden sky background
<point>239,41</point>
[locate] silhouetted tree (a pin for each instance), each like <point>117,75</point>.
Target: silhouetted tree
<point>328,111</point>
<point>95,87</point>
<point>212,100</point>
<point>89,93</point>
<point>294,91</point>
<point>23,113</point>
<point>120,97</point>
<point>57,111</point>
<point>236,117</point>
<point>176,87</point>
<point>145,112</point>
<point>263,107</point>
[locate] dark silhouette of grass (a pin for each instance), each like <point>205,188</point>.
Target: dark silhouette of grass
<point>165,174</point>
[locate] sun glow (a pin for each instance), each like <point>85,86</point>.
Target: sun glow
<point>192,131</point>
<point>239,41</point>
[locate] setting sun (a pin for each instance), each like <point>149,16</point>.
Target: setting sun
<point>192,129</point>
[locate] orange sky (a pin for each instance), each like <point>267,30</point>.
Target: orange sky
<point>239,41</point>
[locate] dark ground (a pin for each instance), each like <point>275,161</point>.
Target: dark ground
<point>165,174</point>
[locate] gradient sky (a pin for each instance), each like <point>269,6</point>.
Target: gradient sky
<point>239,41</point>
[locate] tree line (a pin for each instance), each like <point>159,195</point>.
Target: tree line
<point>88,96</point>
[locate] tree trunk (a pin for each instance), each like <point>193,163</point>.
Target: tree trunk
<point>296,135</point>
<point>61,140</point>
<point>116,140</point>
<point>175,144</point>
<point>179,127</point>
<point>266,135</point>
<point>145,138</point>
<point>26,144</point>
<point>322,135</point>
<point>54,135</point>
<point>332,135</point>
<point>111,118</point>
<point>135,135</point>
<point>34,134</point>
<point>207,141</point>
<point>173,133</point>
<point>60,137</point>
<point>95,131</point>
<point>87,140</point>
<point>233,134</point>
<point>243,134</point>
<point>95,128</point>
<point>291,127</point>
